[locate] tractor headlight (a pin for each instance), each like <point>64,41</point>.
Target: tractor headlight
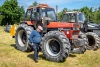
<point>42,21</point>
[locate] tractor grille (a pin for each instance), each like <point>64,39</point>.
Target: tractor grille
<point>75,33</point>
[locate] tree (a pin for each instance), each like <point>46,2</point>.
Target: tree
<point>11,12</point>
<point>61,13</point>
<point>98,15</point>
<point>75,10</point>
<point>85,10</point>
<point>22,12</point>
<point>65,9</point>
<point>60,16</point>
<point>35,3</point>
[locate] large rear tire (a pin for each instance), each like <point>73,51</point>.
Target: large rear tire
<point>22,37</point>
<point>93,40</point>
<point>55,46</point>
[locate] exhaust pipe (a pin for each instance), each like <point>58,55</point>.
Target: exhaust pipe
<point>56,13</point>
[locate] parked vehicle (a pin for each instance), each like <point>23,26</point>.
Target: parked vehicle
<point>7,28</point>
<point>58,39</point>
<point>86,27</point>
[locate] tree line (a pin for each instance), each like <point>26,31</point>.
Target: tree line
<point>12,13</point>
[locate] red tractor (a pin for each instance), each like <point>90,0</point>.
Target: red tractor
<point>78,17</point>
<point>58,39</point>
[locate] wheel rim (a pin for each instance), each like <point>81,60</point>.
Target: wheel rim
<point>22,37</point>
<point>91,40</point>
<point>53,47</point>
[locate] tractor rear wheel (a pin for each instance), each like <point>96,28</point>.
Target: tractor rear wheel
<point>55,46</point>
<point>93,40</point>
<point>22,37</point>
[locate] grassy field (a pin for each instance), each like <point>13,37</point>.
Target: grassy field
<point>11,57</point>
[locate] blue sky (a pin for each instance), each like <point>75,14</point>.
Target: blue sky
<point>70,4</point>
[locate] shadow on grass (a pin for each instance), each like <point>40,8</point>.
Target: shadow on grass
<point>72,55</point>
<point>30,56</point>
<point>13,45</point>
<point>41,57</point>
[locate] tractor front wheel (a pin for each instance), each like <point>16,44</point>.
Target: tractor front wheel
<point>55,46</point>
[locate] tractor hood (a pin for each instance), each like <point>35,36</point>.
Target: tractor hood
<point>62,25</point>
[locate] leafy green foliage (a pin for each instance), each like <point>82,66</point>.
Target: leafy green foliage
<point>22,12</point>
<point>11,12</point>
<point>98,16</point>
<point>59,16</point>
<point>35,3</point>
<point>88,12</point>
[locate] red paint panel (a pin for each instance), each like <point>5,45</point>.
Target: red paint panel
<point>69,34</point>
<point>60,25</point>
<point>31,22</point>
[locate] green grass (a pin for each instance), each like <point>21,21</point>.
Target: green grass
<point>11,57</point>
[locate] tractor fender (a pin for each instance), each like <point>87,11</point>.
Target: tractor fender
<point>28,22</point>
